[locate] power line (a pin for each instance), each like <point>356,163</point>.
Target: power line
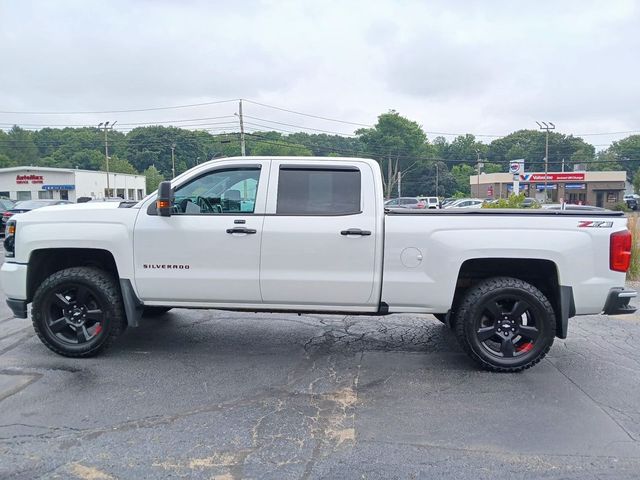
<point>303,127</point>
<point>120,111</point>
<point>308,114</point>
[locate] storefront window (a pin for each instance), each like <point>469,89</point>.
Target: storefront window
<point>140,195</point>
<point>45,194</point>
<point>23,195</point>
<point>120,192</point>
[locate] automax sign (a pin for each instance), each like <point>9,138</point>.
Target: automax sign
<point>552,177</point>
<point>25,179</point>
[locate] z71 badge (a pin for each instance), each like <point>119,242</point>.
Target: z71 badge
<point>594,224</point>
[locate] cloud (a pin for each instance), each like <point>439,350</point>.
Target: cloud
<point>474,66</point>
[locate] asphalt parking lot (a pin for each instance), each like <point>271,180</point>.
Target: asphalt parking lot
<point>219,395</point>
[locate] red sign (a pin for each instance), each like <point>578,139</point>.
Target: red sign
<point>22,179</point>
<point>552,177</point>
<point>490,191</point>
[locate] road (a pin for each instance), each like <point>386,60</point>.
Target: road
<point>219,395</point>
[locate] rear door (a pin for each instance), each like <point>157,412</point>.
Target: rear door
<point>319,236</point>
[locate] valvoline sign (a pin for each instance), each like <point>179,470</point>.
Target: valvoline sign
<point>551,177</point>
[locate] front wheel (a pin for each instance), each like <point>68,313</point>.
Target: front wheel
<point>505,324</point>
<point>78,312</point>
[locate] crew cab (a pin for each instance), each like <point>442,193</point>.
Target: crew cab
<point>308,234</point>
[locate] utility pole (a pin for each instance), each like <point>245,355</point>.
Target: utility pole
<point>399,184</point>
<point>546,126</point>
<point>437,180</point>
<point>242,145</point>
<point>173,160</point>
<point>478,176</point>
<point>106,149</point>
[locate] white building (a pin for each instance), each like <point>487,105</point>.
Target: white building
<point>31,183</point>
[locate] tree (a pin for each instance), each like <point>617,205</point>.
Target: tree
<point>397,143</point>
<point>153,178</point>
<point>530,145</point>
<point>5,161</point>
<point>625,153</point>
<point>118,165</point>
<point>18,145</point>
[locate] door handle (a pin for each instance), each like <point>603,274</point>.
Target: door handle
<point>241,230</point>
<point>356,231</point>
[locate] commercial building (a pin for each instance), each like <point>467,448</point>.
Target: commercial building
<point>31,183</point>
<point>602,189</point>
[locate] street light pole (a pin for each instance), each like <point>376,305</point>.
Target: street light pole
<point>546,126</point>
<point>106,150</point>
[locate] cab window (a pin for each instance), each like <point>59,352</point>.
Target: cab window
<point>218,192</point>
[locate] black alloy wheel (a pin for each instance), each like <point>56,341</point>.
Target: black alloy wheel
<point>78,312</point>
<point>505,324</point>
<point>74,314</point>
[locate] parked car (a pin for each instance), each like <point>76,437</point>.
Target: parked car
<point>405,202</point>
<point>631,200</point>
<point>529,202</point>
<point>508,282</point>
<point>466,203</point>
<point>25,206</point>
<point>447,201</point>
<point>431,202</point>
<point>572,207</point>
<point>6,204</point>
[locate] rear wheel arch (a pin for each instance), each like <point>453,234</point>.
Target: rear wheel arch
<point>542,274</point>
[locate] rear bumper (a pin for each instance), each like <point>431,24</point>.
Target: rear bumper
<point>18,307</point>
<point>618,301</point>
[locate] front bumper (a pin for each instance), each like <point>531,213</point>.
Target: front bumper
<point>13,277</point>
<point>618,301</point>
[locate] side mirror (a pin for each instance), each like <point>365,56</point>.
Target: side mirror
<point>164,201</point>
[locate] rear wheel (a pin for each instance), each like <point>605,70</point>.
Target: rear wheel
<point>505,324</point>
<point>78,312</point>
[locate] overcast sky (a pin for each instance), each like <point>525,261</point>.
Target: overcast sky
<point>482,67</point>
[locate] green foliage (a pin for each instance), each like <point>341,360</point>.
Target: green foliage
<point>530,145</point>
<point>399,144</point>
<point>621,207</point>
<point>5,161</point>
<point>636,181</point>
<point>118,165</point>
<point>153,177</point>
<point>513,201</point>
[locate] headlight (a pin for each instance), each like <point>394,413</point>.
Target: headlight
<point>10,239</point>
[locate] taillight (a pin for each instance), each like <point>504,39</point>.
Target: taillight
<point>620,251</point>
<point>421,205</point>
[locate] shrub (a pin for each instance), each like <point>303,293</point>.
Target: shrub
<point>621,207</point>
<point>513,201</point>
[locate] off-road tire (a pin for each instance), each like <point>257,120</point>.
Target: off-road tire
<point>104,288</point>
<point>472,306</point>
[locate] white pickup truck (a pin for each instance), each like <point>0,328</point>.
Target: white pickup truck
<point>305,234</point>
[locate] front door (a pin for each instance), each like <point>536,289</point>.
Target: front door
<point>319,238</point>
<point>208,250</point>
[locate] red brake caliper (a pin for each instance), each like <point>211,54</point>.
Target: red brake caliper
<point>525,347</point>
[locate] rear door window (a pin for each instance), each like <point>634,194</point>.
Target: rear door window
<point>318,191</point>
